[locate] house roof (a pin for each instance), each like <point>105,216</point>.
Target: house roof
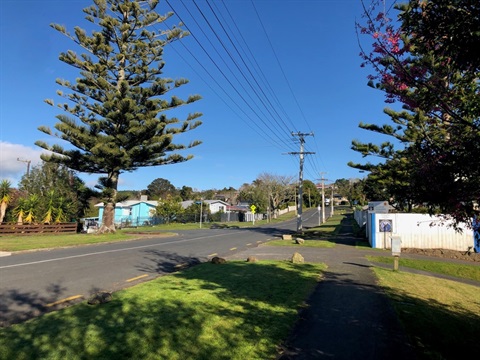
<point>130,203</point>
<point>187,203</point>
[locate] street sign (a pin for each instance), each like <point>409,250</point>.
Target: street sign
<point>253,208</point>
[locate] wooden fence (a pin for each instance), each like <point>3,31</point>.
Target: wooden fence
<point>33,229</point>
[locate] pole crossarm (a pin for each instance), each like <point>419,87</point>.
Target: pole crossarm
<point>300,153</point>
<point>301,136</point>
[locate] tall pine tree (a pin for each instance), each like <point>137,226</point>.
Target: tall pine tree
<point>116,117</point>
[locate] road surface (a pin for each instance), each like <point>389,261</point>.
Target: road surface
<point>32,283</point>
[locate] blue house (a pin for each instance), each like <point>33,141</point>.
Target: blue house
<point>132,212</point>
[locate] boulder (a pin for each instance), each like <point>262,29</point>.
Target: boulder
<point>299,241</point>
<point>252,259</point>
<point>218,260</point>
<point>286,237</point>
<point>100,298</point>
<point>297,258</point>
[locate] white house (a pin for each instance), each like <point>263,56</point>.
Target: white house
<point>214,205</point>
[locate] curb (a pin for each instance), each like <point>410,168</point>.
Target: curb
<point>4,253</point>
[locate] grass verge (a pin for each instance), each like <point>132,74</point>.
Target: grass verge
<point>471,272</point>
<point>34,242</point>
<point>441,317</point>
<point>236,310</point>
<point>308,243</point>
<point>41,241</point>
<point>316,236</point>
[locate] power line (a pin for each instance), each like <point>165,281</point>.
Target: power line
<point>279,140</point>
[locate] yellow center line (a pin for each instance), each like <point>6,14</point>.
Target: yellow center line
<point>136,278</point>
<point>211,255</point>
<point>70,298</point>
<point>249,244</point>
<point>233,249</point>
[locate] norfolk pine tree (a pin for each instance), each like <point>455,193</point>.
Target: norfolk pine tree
<point>116,117</point>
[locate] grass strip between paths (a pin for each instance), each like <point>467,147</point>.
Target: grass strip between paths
<point>317,236</point>
<point>471,272</point>
<point>236,310</point>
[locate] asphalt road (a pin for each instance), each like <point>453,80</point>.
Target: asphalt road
<point>32,283</point>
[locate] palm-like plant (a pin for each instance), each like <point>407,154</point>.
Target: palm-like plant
<point>50,210</point>
<point>5,197</point>
<point>61,209</point>
<point>20,210</point>
<point>31,208</point>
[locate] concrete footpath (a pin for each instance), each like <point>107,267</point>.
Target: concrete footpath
<point>349,316</point>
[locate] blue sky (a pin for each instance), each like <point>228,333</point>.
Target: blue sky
<point>295,67</point>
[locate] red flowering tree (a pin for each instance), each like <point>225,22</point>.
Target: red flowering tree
<point>419,60</point>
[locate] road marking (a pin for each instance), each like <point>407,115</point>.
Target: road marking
<point>111,251</point>
<point>211,255</point>
<point>258,242</point>
<point>136,278</point>
<point>233,249</point>
<point>70,298</point>
<point>249,244</point>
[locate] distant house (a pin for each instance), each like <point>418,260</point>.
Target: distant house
<point>132,212</point>
<point>140,212</point>
<point>214,205</point>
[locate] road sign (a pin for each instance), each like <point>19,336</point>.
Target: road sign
<point>253,208</point>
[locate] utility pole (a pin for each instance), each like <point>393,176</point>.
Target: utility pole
<point>28,164</point>
<point>301,136</point>
<point>331,200</point>
<point>323,197</point>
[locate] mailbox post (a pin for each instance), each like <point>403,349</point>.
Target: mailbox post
<point>396,250</point>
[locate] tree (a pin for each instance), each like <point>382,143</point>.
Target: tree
<point>62,195</point>
<point>311,195</point>
<point>192,213</point>
<point>168,209</point>
<point>422,64</point>
<point>5,197</point>
<point>254,195</point>
<point>161,189</point>
<point>279,190</point>
<point>116,117</point>
<point>344,187</point>
<point>186,193</point>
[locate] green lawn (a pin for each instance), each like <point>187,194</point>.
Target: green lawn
<point>318,236</point>
<point>33,242</point>
<point>236,310</point>
<point>441,317</point>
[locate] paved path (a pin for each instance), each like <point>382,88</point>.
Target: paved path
<point>349,316</point>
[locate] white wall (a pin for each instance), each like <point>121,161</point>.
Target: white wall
<point>419,231</point>
<point>288,209</point>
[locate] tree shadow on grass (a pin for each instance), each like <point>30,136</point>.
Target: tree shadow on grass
<point>236,310</point>
<point>206,312</point>
<point>438,331</point>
